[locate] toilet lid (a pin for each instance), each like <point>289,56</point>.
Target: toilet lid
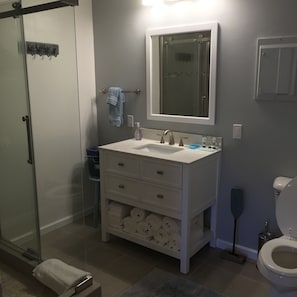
<point>286,205</point>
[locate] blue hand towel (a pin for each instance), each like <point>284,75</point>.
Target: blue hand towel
<point>115,100</point>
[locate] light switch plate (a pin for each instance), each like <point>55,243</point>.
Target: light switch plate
<point>237,131</point>
<point>130,120</point>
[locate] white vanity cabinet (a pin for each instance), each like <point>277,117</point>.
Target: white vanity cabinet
<point>179,190</point>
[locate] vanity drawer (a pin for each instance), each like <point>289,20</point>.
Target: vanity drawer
<point>121,164</point>
<point>169,199</point>
<point>167,173</point>
<point>121,186</point>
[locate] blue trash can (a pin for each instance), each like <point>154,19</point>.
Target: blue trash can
<point>93,162</point>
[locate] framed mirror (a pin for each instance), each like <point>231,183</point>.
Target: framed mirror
<point>181,73</point>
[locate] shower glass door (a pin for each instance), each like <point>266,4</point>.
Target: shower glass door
<point>19,229</point>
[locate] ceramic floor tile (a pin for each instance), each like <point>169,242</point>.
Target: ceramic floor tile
<point>131,249</point>
<point>103,258</point>
<point>242,286</point>
<point>251,271</point>
<point>129,269</point>
<point>110,284</point>
<point>118,264</point>
<point>213,277</point>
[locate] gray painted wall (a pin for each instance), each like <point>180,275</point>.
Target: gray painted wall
<point>269,145</point>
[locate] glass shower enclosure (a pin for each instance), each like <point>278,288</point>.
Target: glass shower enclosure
<point>19,227</point>
<point>41,162</point>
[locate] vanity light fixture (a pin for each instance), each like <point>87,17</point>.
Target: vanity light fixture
<point>158,2</point>
<point>151,2</point>
<point>172,1</point>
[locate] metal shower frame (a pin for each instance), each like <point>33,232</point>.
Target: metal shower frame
<point>18,10</point>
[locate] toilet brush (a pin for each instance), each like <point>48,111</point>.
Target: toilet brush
<point>236,209</point>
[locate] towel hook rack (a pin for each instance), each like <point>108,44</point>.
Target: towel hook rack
<point>136,91</point>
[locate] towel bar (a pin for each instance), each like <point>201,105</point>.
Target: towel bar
<point>136,91</point>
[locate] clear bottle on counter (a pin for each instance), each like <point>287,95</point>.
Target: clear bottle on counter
<point>138,132</point>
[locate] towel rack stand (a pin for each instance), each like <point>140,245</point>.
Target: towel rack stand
<point>136,91</point>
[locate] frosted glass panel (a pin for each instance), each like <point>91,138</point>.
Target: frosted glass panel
<point>55,118</point>
<point>18,218</point>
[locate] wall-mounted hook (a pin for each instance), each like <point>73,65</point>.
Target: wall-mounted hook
<point>42,49</point>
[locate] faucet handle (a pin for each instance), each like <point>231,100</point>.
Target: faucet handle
<point>162,140</point>
<point>181,143</point>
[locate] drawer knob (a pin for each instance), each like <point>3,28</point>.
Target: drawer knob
<point>121,186</point>
<point>160,172</point>
<point>121,164</point>
<point>160,196</point>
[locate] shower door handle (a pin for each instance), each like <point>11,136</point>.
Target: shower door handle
<point>29,138</point>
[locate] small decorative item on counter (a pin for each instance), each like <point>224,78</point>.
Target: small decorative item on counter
<point>138,132</point>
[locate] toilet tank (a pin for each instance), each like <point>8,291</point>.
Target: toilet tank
<point>279,184</point>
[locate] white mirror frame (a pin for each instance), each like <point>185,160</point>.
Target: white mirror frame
<point>210,120</point>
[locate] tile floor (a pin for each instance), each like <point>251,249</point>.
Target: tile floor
<point>118,264</point>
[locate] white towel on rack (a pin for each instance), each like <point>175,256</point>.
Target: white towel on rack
<point>115,100</point>
<point>58,275</point>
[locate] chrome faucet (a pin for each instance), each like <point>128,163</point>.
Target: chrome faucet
<point>171,137</point>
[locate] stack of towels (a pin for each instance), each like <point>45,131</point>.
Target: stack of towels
<point>115,214</point>
<point>162,230</point>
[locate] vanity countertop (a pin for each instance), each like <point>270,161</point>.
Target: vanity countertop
<point>176,153</point>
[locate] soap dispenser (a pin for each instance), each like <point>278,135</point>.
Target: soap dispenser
<point>138,132</point>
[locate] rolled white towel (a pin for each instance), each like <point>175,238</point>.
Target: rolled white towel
<point>144,230</point>
<point>138,214</point>
<point>154,221</point>
<point>58,275</point>
<point>130,225</point>
<point>174,241</point>
<point>161,237</point>
<point>171,225</point>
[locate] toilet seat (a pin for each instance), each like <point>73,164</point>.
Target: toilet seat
<point>266,254</point>
<point>285,211</point>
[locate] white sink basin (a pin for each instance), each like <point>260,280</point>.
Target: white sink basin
<point>160,149</point>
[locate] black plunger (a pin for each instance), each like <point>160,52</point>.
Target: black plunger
<point>236,209</point>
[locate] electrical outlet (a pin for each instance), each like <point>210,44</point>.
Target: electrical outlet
<point>130,120</point>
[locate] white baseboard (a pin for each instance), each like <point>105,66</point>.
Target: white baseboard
<point>64,221</point>
<point>249,253</point>
<point>24,238</point>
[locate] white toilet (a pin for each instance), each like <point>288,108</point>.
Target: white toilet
<point>277,260</point>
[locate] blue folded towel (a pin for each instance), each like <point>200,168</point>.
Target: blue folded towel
<point>115,100</point>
